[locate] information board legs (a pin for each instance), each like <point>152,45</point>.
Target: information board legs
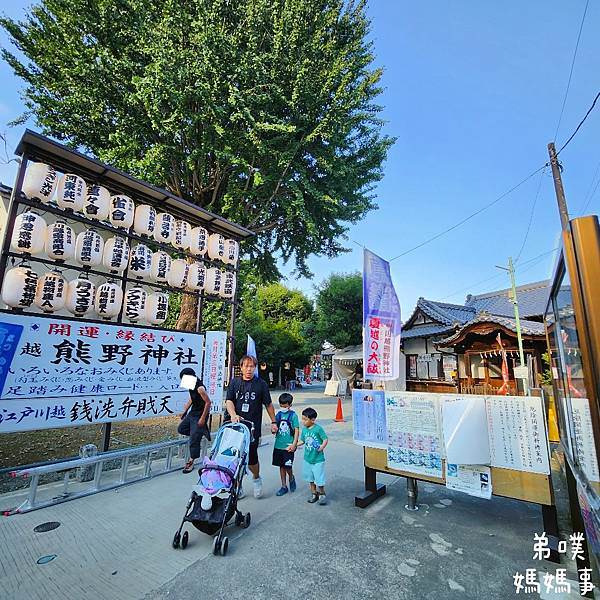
<point>373,490</point>
<point>412,492</point>
<point>550,520</point>
<point>106,427</point>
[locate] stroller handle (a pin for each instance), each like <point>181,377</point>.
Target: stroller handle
<point>246,422</point>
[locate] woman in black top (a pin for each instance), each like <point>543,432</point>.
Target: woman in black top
<point>193,423</point>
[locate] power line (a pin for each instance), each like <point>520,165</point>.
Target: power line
<point>537,195</point>
<point>562,110</point>
<point>591,108</point>
<point>590,198</point>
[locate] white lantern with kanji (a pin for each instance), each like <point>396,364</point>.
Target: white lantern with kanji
<point>183,235</point>
<point>216,246</point>
<point>140,263</point>
<point>198,241</point>
<point>29,233</point>
<point>109,298</point>
<point>51,292</point>
<point>228,286</point>
<point>122,210</point>
<point>161,265</point>
<point>178,273</point>
<point>19,287</point>
<point>40,182</point>
<point>116,254</point>
<point>232,249</point>
<point>165,228</point>
<point>89,247</point>
<point>144,222</point>
<point>196,277</point>
<point>60,241</point>
<point>81,294</point>
<point>71,192</point>
<point>97,203</point>
<point>157,308</point>
<point>214,281</point>
<point>135,304</point>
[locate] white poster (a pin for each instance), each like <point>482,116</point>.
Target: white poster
<point>368,418</point>
<point>214,368</point>
<point>584,438</point>
<point>517,433</point>
<point>474,480</point>
<point>465,428</point>
<point>414,433</point>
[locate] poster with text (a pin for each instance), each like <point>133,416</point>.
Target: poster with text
<point>214,368</point>
<point>584,438</point>
<point>474,480</point>
<point>414,433</point>
<point>368,418</point>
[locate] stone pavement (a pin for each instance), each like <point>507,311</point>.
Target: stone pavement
<point>117,544</point>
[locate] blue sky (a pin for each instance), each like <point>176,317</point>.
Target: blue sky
<point>473,91</point>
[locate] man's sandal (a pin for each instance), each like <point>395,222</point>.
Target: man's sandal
<point>189,466</point>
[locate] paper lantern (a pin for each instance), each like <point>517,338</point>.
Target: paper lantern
<point>232,249</point>
<point>81,294</point>
<point>116,254</point>
<point>109,298</point>
<point>29,233</point>
<point>157,308</point>
<point>121,212</point>
<point>228,285</point>
<point>71,192</point>
<point>144,222</point>
<point>60,241</point>
<point>140,263</point>
<point>196,277</point>
<point>135,304</point>
<point>183,235</point>
<point>97,203</point>
<point>19,287</point>
<point>199,241</point>
<point>51,292</point>
<point>40,181</point>
<point>214,281</point>
<point>216,246</point>
<point>88,248</point>
<point>165,228</point>
<point>161,265</point>
<point>178,273</point>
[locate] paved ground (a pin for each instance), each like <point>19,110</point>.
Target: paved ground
<point>117,545</point>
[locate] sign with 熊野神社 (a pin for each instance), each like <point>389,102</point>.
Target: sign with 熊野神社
<point>69,372</point>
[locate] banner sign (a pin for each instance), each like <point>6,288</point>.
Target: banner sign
<point>66,372</point>
<point>368,418</point>
<point>381,321</point>
<point>214,368</point>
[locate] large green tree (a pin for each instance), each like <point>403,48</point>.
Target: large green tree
<point>263,111</point>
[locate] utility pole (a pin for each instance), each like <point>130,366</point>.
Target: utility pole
<point>558,187</point>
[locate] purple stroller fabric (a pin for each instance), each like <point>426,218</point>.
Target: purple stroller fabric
<point>213,480</point>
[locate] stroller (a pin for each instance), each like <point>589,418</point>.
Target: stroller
<point>214,498</point>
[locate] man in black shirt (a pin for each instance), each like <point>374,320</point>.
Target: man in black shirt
<point>245,399</point>
<point>193,423</point>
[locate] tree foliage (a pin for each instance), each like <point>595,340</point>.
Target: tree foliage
<point>263,111</point>
<point>338,312</point>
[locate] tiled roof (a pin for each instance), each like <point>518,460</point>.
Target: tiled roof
<point>426,330</point>
<point>532,299</point>
<point>5,190</point>
<point>446,313</point>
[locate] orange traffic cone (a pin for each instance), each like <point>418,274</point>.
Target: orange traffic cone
<point>339,413</point>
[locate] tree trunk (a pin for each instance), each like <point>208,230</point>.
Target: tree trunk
<point>189,313</point>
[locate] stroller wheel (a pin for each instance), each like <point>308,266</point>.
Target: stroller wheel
<point>224,545</point>
<point>216,545</point>
<point>176,539</point>
<point>184,539</point>
<point>246,523</point>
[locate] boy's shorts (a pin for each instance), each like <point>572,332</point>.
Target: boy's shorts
<point>314,473</point>
<point>282,458</point>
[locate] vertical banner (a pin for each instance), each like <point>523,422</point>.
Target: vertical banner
<point>251,351</point>
<point>381,321</point>
<point>214,368</point>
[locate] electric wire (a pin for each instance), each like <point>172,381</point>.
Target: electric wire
<point>591,108</point>
<point>537,195</point>
<point>590,198</point>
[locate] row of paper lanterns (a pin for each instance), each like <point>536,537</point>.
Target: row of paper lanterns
<point>88,248</point>
<point>41,181</point>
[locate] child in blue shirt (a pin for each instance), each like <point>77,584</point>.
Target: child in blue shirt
<point>315,440</point>
<point>286,439</point>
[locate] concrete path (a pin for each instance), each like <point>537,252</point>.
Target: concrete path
<point>117,545</point>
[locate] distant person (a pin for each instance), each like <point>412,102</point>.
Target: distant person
<point>315,440</point>
<point>289,376</point>
<point>286,442</point>
<point>193,423</point>
<point>263,372</point>
<point>245,399</point>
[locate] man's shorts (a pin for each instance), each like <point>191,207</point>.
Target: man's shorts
<point>282,458</point>
<point>253,452</point>
<point>314,473</point>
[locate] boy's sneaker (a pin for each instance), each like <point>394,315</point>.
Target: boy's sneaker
<point>257,487</point>
<point>322,499</point>
<point>313,499</point>
<point>281,491</point>
<point>293,484</point>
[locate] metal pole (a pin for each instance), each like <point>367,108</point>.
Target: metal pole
<point>558,187</point>
<point>412,492</point>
